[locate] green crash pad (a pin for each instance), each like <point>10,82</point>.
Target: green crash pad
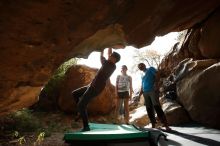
<point>107,132</point>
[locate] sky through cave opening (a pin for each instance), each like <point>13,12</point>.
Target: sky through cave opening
<point>129,56</point>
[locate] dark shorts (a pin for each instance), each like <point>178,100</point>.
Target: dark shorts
<point>123,94</point>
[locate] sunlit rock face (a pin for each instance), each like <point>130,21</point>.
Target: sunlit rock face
<point>195,64</point>
<point>78,76</point>
<point>175,113</point>
<point>201,42</point>
<point>37,36</point>
<point>199,93</point>
<point>139,116</point>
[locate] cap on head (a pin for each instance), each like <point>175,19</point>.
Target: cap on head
<point>116,56</point>
<point>141,66</point>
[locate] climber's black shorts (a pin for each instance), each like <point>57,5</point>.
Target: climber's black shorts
<point>123,94</point>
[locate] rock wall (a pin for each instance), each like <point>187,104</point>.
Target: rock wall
<point>195,65</point>
<point>199,93</point>
<point>209,37</point>
<point>37,36</point>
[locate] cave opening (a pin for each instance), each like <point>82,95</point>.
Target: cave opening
<point>38,36</point>
<point>152,55</point>
<point>59,85</point>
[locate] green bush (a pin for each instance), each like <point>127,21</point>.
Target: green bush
<point>54,83</point>
<point>25,121</point>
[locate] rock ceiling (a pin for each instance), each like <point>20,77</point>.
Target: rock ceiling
<point>36,36</point>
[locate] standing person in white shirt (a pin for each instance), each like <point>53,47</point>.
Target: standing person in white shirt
<point>124,92</point>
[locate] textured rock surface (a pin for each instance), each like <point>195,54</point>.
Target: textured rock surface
<point>209,43</point>
<point>19,98</point>
<point>175,113</point>
<point>37,36</point>
<point>139,116</point>
<point>198,82</point>
<point>201,42</point>
<point>199,93</point>
<point>79,76</point>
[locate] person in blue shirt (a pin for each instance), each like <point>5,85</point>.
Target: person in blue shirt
<point>151,99</point>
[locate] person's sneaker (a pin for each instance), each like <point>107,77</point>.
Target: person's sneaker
<point>167,128</point>
<point>85,129</point>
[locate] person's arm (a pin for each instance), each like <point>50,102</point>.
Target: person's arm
<point>141,92</point>
<point>102,58</point>
<point>131,88</point>
<point>116,86</point>
<point>109,52</point>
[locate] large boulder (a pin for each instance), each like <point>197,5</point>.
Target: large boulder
<point>199,92</point>
<point>175,113</point>
<point>139,116</point>
<point>78,76</point>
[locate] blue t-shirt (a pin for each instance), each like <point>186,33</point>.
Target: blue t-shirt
<point>148,79</point>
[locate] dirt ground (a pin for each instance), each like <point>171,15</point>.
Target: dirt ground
<point>53,125</point>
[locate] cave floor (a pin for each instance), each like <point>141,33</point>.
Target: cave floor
<point>183,135</point>
<point>191,135</point>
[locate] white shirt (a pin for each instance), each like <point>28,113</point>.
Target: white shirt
<point>123,83</point>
